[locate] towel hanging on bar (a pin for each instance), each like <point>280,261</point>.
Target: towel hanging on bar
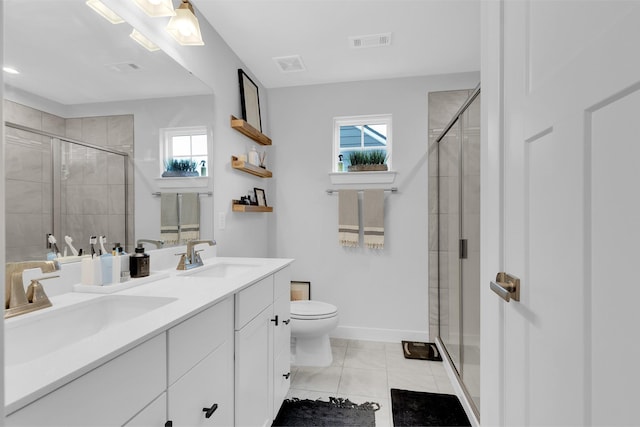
<point>348,221</point>
<point>373,206</point>
<point>179,217</point>
<point>169,218</point>
<point>189,217</point>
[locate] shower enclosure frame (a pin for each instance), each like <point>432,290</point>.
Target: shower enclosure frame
<point>461,250</point>
<point>55,213</point>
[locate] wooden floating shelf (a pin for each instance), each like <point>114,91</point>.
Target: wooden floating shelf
<point>251,208</point>
<point>249,168</point>
<point>248,130</point>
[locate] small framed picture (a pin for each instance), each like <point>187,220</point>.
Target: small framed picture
<point>300,291</point>
<point>260,197</point>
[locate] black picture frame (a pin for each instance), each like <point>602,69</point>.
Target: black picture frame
<point>261,198</point>
<point>250,100</point>
<point>300,291</point>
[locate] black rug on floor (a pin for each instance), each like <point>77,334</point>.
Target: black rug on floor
<point>421,350</point>
<point>336,412</point>
<point>414,408</point>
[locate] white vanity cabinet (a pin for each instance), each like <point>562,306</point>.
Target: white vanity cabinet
<point>111,394</point>
<point>262,349</point>
<point>200,368</point>
<point>281,338</point>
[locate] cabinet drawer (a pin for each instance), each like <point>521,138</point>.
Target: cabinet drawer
<point>192,340</point>
<point>282,283</point>
<point>209,383</point>
<point>109,395</point>
<point>252,300</point>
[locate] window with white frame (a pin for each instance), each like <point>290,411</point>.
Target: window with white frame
<point>356,137</point>
<point>185,147</point>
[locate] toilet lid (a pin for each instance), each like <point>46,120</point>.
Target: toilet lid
<point>312,309</point>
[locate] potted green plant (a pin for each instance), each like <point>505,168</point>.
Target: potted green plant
<point>179,168</point>
<point>366,161</point>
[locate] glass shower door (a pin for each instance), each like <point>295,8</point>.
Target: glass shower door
<point>459,246</point>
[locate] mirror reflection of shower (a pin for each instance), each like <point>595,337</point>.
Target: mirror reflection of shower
<point>64,187</point>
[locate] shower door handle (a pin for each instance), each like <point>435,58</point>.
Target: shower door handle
<point>506,286</point>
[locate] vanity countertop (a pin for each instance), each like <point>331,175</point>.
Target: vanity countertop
<point>28,381</point>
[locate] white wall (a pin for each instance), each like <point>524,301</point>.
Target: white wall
<point>383,294</point>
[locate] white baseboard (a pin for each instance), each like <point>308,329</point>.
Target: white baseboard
<point>382,335</point>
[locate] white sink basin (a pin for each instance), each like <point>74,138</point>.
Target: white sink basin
<point>220,270</point>
<point>39,334</point>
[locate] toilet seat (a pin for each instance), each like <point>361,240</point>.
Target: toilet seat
<point>312,310</point>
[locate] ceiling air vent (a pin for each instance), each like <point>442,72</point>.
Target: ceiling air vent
<point>372,40</point>
<point>289,64</point>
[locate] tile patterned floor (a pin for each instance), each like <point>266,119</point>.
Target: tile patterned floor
<point>365,371</point>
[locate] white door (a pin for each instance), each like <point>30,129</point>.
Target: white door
<point>560,209</point>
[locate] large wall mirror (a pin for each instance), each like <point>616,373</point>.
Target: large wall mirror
<point>83,118</point>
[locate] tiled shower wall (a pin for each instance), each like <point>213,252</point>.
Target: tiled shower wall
<point>442,107</point>
<point>91,198</point>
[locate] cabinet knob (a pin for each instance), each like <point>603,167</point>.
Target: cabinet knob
<point>210,411</point>
<point>168,424</point>
<point>286,322</point>
<point>275,320</point>
<point>287,375</point>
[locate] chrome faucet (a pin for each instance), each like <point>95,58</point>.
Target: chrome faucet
<point>158,243</point>
<point>192,259</point>
<point>17,301</point>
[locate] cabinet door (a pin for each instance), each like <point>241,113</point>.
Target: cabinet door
<point>153,415</point>
<point>109,395</point>
<point>209,383</point>
<point>281,337</point>
<point>254,372</point>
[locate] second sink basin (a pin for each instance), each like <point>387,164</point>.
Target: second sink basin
<point>42,333</point>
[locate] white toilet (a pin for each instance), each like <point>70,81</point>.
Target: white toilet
<point>311,322</point>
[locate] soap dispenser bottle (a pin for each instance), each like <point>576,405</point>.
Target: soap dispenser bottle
<point>139,262</point>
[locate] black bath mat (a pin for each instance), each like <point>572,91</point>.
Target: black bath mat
<point>336,412</point>
<point>414,408</point>
<point>421,350</point>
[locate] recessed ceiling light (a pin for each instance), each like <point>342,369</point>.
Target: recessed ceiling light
<point>142,40</point>
<point>10,70</point>
<point>104,11</point>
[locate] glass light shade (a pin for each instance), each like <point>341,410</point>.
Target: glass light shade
<point>184,26</point>
<point>156,8</point>
<point>104,11</point>
<point>142,40</point>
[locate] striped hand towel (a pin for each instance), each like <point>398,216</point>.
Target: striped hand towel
<point>169,218</point>
<point>373,206</point>
<point>348,221</point>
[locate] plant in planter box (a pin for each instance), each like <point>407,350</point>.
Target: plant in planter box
<point>374,160</point>
<point>174,168</point>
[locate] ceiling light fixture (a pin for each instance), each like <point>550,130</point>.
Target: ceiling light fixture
<point>184,26</point>
<point>143,41</point>
<point>156,8</point>
<point>104,11</point>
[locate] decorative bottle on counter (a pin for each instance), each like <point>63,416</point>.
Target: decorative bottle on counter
<point>139,262</point>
